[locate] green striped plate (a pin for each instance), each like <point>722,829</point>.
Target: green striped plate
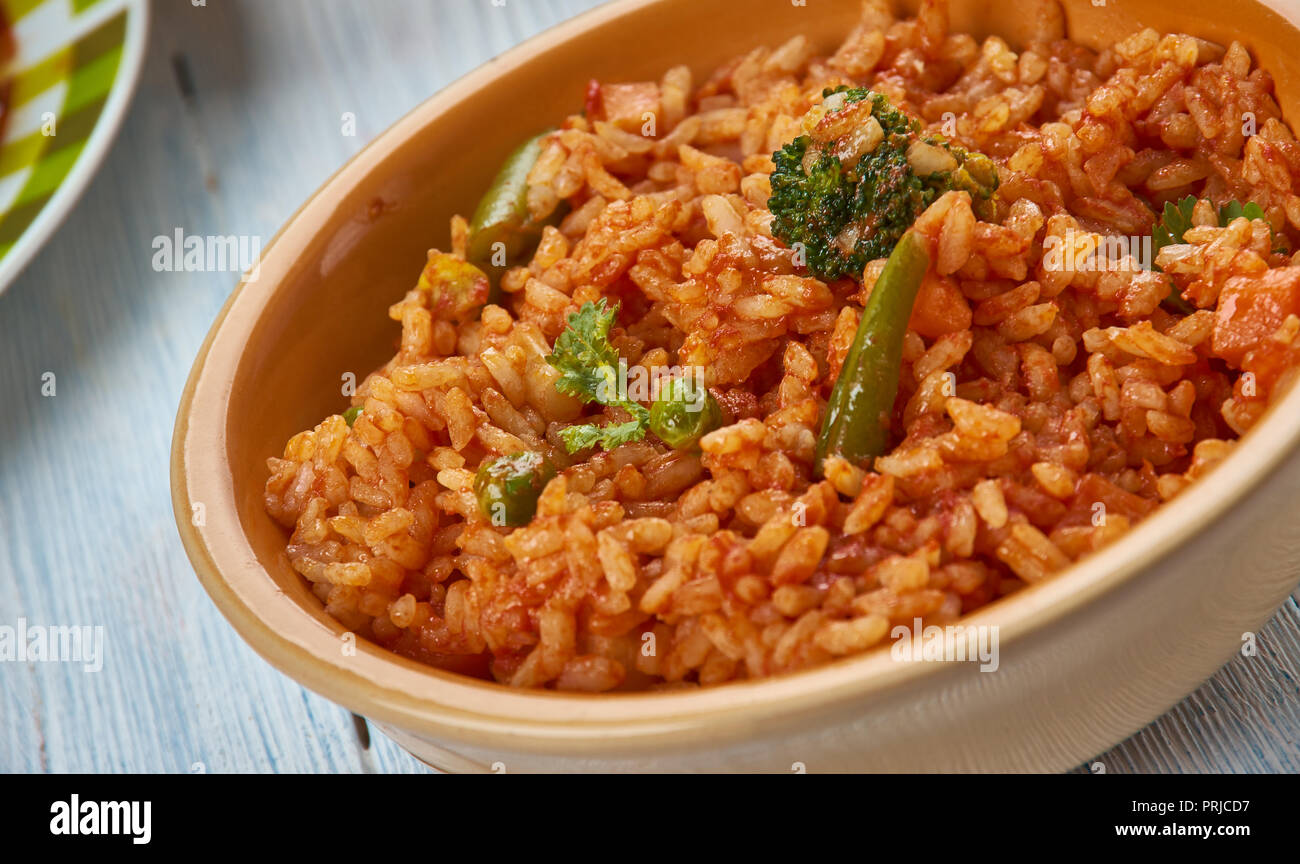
<point>66,88</point>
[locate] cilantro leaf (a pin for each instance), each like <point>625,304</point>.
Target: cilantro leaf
<point>1231,211</point>
<point>1177,219</point>
<point>588,365</point>
<point>1169,230</point>
<point>1235,210</point>
<point>585,435</point>
<point>1251,210</point>
<point>583,354</point>
<point>1174,223</point>
<point>580,436</point>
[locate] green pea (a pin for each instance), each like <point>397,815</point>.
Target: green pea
<point>508,486</point>
<point>352,414</point>
<point>684,413</point>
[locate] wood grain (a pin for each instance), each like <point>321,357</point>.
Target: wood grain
<point>239,117</point>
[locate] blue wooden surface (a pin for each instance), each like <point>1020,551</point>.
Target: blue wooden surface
<point>86,531</point>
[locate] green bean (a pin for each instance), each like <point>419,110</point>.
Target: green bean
<point>684,413</point>
<point>502,215</point>
<point>861,404</point>
<point>508,487</point>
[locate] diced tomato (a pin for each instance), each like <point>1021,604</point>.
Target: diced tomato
<point>1251,309</point>
<point>591,102</point>
<point>626,105</point>
<point>940,308</point>
<point>1039,508</point>
<point>1270,363</point>
<point>1093,489</point>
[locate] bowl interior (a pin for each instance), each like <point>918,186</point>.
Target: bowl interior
<point>275,363</point>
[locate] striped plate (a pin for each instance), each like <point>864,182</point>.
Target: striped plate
<point>66,88</point>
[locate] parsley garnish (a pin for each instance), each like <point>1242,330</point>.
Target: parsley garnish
<point>588,367</point>
<point>1174,223</point>
<point>1235,210</point>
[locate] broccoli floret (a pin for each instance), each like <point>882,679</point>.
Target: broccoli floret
<point>845,217</point>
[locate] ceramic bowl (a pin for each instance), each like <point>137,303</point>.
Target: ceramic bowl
<point>1086,658</point>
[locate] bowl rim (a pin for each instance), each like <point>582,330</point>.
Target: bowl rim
<point>135,45</point>
<point>412,696</point>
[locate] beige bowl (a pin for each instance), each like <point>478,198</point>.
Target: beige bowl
<point>1086,658</point>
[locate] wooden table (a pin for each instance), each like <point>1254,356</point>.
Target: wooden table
<point>240,116</point>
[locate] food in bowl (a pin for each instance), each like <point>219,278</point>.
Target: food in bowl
<point>726,379</point>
